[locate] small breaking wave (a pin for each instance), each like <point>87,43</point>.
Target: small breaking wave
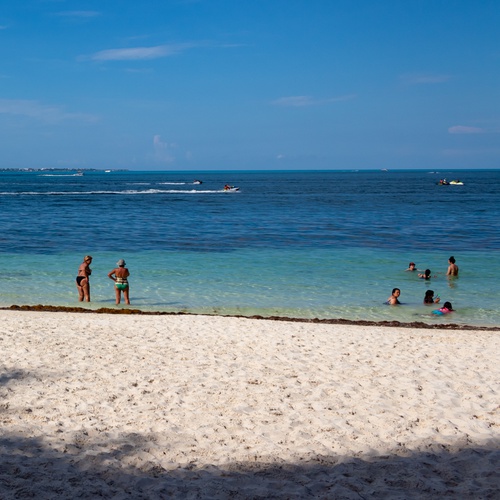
<point>130,192</point>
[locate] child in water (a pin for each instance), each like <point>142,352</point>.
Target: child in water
<point>447,308</point>
<point>430,299</point>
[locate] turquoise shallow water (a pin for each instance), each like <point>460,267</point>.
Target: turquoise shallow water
<point>324,284</point>
<point>297,244</point>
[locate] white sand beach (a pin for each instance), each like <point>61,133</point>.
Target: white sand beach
<point>129,406</point>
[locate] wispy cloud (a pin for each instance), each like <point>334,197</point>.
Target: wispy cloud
<point>42,112</point>
<point>306,100</point>
<point>163,150</point>
<point>295,101</point>
<point>422,78</point>
<point>460,129</point>
<point>141,53</point>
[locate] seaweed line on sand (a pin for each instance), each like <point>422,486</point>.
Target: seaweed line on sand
<point>339,321</point>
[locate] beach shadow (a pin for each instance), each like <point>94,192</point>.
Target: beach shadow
<point>125,468</point>
<point>44,461</point>
<point>6,377</point>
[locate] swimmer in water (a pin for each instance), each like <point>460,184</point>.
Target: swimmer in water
<point>411,267</point>
<point>430,299</point>
<point>446,309</point>
<point>393,300</point>
<point>452,267</point>
<point>426,275</point>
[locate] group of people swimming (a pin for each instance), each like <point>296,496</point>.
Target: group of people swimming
<point>429,298</point>
<point>452,269</point>
<point>119,275</point>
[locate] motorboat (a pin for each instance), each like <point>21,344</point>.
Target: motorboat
<point>444,182</point>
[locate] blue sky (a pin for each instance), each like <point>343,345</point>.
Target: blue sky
<point>254,84</point>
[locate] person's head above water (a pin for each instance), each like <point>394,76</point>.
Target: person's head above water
<point>426,275</point>
<point>429,297</point>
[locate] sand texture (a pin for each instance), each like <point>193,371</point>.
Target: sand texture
<point>126,406</point>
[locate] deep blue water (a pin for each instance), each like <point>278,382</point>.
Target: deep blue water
<point>309,244</point>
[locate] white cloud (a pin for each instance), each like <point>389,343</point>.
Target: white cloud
<point>43,112</point>
<point>420,79</point>
<point>140,53</point>
<point>306,100</point>
<point>163,150</point>
<point>460,129</point>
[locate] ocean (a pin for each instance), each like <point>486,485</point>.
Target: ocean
<point>304,244</point>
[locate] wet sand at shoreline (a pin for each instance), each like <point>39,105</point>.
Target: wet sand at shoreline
<point>329,321</point>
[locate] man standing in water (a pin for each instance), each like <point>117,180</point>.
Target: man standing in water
<point>82,280</point>
<point>452,268</point>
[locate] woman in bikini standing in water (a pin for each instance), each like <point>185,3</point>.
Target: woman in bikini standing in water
<point>119,275</point>
<point>82,280</point>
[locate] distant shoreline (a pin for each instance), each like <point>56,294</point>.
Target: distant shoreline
<point>63,170</point>
<point>249,171</point>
